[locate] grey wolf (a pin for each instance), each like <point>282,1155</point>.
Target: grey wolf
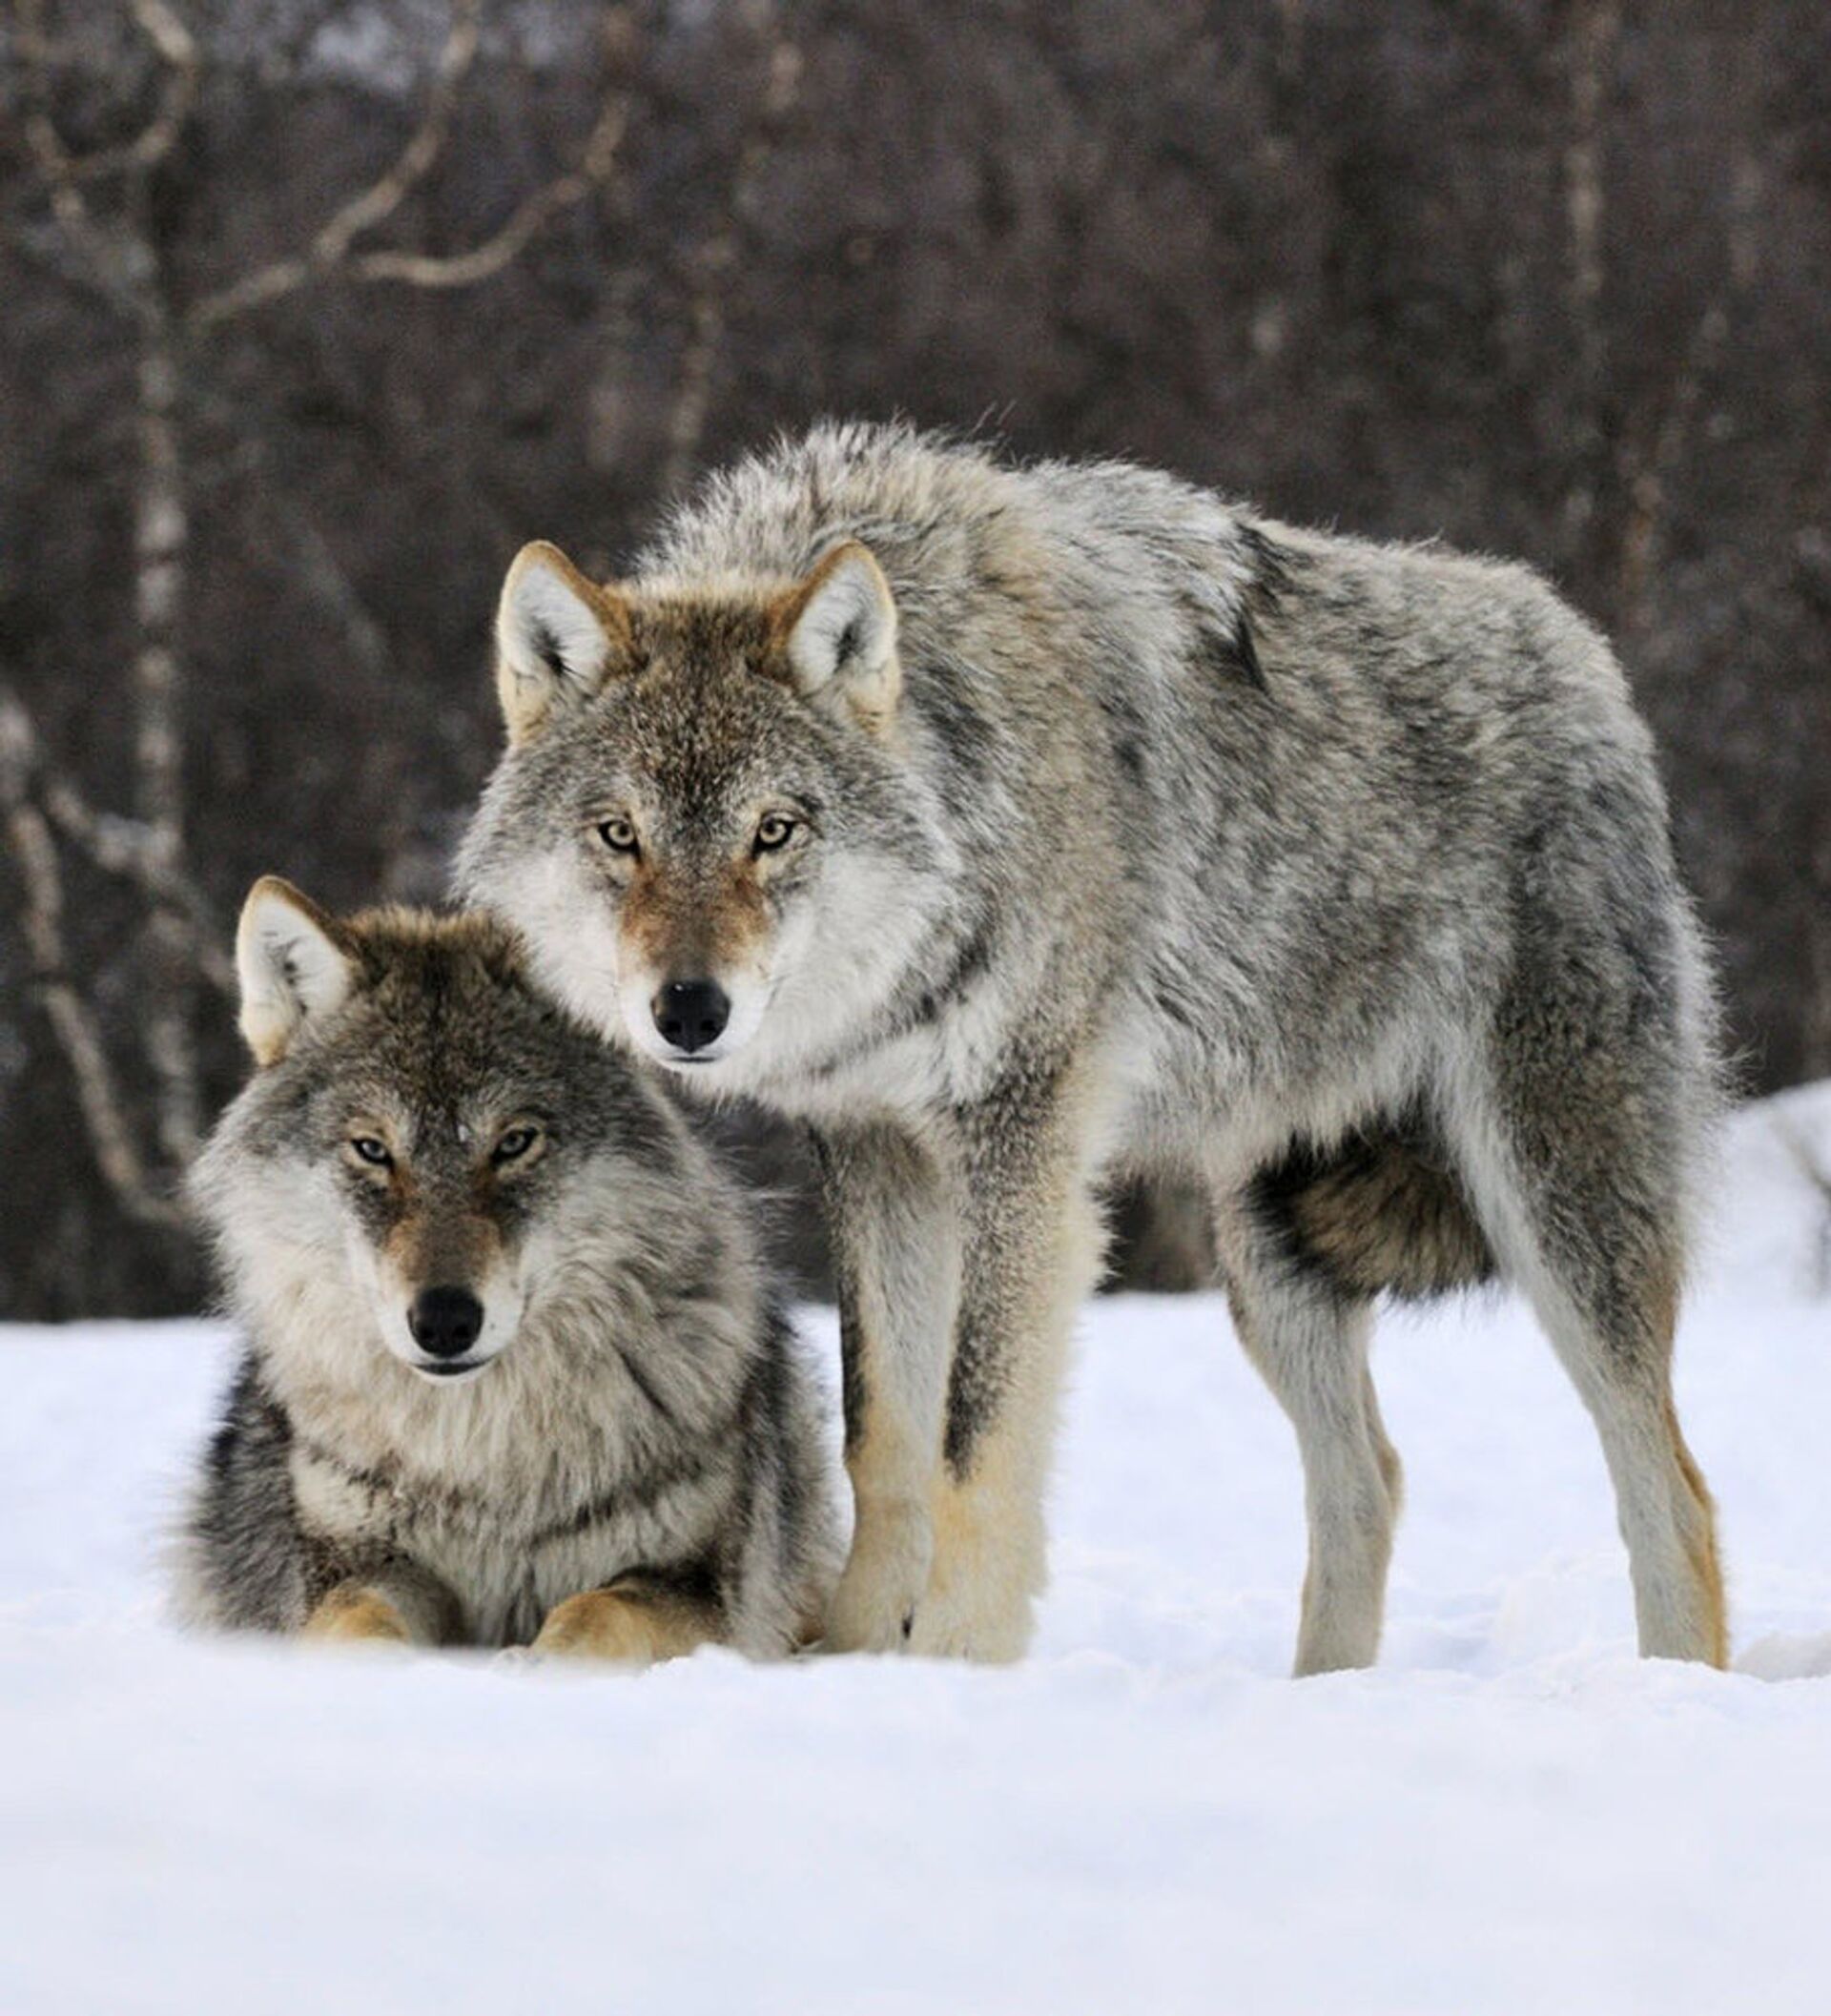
<point>513,1371</point>
<point>1013,826</point>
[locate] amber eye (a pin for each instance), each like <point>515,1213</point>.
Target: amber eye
<point>515,1144</point>
<point>619,835</point>
<point>366,1149</point>
<point>774,829</point>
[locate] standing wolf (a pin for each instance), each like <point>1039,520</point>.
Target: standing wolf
<point>512,1369</point>
<point>1011,826</point>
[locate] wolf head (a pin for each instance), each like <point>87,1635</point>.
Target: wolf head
<point>426,1143</point>
<point>703,824</point>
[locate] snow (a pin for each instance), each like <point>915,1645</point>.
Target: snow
<point>1510,1813</point>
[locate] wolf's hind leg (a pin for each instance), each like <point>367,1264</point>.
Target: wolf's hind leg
<point>631,1623</point>
<point>897,1251</point>
<point>1585,1217</point>
<point>1309,1339</point>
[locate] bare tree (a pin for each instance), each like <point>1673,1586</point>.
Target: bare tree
<point>715,258</point>
<point>102,209</point>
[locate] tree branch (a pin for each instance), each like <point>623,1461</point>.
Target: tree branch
<point>116,259</point>
<point>384,196</point>
<point>332,254</point>
<point>116,846</point>
<point>97,1095</point>
<point>161,540</point>
<point>1649,471</point>
<point>119,249</point>
<point>178,61</point>
<point>1647,474</point>
<point>124,257</point>
<point>481,263</point>
<point>1589,52</point>
<point>717,256</point>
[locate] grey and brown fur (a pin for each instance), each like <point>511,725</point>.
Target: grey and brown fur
<point>1040,822</point>
<point>622,1458</point>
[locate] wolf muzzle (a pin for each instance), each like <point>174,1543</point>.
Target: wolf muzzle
<point>691,1015</point>
<point>445,1323</point>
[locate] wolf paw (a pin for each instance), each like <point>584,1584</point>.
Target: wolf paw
<point>981,1599</point>
<point>873,1604</point>
<point>868,1619</point>
<point>353,1614</point>
<point>598,1624</point>
<point>949,1625</point>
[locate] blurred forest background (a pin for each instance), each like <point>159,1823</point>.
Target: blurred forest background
<point>314,312</point>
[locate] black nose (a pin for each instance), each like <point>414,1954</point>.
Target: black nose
<point>692,1013</point>
<point>445,1322</point>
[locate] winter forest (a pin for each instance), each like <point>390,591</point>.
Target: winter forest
<point>314,312</point>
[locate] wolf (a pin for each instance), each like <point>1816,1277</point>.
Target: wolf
<point>514,1373</point>
<point>1013,826</point>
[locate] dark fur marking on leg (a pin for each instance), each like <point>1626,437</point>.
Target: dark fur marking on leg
<point>854,1393</point>
<point>791,1493</point>
<point>972,1391</point>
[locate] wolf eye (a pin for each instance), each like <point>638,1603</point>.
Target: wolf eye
<point>619,835</point>
<point>372,1151</point>
<point>515,1144</point>
<point>774,829</point>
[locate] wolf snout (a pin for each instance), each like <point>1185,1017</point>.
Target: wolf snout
<point>445,1322</point>
<point>691,1015</point>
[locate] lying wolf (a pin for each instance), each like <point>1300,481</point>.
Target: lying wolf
<point>1011,826</point>
<point>512,1370</point>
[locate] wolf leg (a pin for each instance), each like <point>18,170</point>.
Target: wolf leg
<point>1586,1222</point>
<point>1032,1246</point>
<point>398,1605</point>
<point>897,1248</point>
<point>1308,1339</point>
<point>1313,1358</point>
<point>630,1623</point>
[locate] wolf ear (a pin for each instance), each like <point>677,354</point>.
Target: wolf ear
<point>556,633</point>
<point>839,629</point>
<point>290,963</point>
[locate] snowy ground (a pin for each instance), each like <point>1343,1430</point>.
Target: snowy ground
<point>1511,1813</point>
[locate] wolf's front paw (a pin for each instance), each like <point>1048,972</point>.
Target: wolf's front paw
<point>629,1624</point>
<point>600,1624</point>
<point>964,1624</point>
<point>884,1577</point>
<point>353,1614</point>
<point>989,1568</point>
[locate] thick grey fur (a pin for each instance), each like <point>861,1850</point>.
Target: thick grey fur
<point>1333,875</point>
<point>648,1422</point>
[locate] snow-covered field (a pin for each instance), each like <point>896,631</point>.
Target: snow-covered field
<point>1511,1813</point>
